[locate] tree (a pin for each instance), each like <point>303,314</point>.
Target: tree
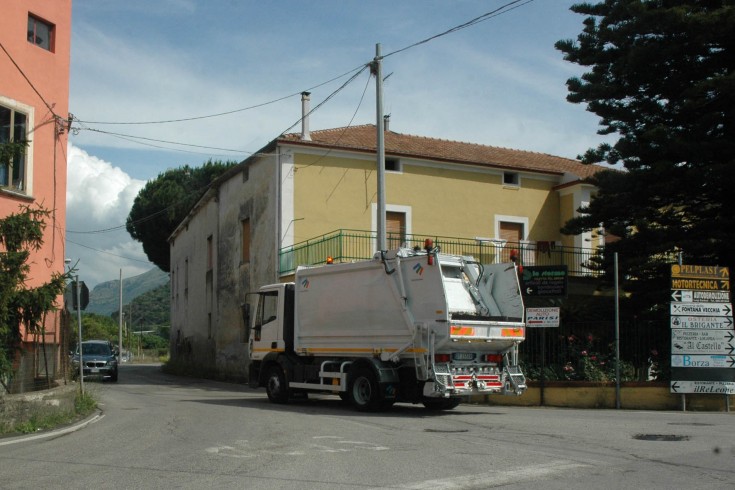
<point>164,202</point>
<point>661,79</point>
<point>20,234</point>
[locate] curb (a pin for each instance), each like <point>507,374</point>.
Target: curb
<point>54,432</point>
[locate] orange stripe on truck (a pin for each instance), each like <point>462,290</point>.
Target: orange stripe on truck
<point>465,331</point>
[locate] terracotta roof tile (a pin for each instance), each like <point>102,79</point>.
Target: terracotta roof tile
<point>363,138</point>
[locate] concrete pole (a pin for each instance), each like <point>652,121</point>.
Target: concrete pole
<point>617,335</point>
<point>79,325</point>
<point>380,150</point>
<point>120,326</point>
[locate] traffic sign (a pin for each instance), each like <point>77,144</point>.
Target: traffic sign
<point>700,271</point>
<point>702,342</point>
<point>701,309</point>
<point>701,284</point>
<point>690,296</point>
<point>542,317</point>
<point>700,361</point>
<point>702,322</point>
<point>721,387</point>
<point>544,280</point>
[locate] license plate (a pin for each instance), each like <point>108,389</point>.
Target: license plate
<point>94,370</point>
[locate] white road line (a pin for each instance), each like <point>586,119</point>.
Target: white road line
<point>493,478</point>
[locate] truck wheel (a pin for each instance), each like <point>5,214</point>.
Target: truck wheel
<point>364,391</point>
<point>275,385</point>
<point>441,403</point>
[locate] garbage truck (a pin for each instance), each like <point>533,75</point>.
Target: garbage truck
<point>409,325</point>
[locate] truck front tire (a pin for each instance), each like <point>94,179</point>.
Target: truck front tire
<point>276,385</point>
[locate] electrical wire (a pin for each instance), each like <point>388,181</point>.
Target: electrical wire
<point>481,18</point>
<point>131,137</point>
<point>108,253</point>
<point>358,70</point>
<point>20,70</point>
<point>256,106</point>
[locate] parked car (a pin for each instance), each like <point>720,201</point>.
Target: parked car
<point>99,359</point>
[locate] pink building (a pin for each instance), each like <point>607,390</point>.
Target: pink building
<point>35,39</point>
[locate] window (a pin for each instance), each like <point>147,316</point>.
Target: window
<point>393,165</point>
<point>13,129</point>
<point>245,224</point>
<point>511,232</point>
<point>511,178</point>
<point>40,33</point>
<point>209,253</point>
<point>395,229</point>
<point>267,312</point>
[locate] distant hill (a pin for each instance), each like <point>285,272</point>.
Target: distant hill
<point>104,299</point>
<point>149,310</point>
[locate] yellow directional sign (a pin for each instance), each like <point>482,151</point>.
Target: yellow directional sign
<point>699,272</point>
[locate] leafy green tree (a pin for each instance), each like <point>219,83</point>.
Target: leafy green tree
<point>164,202</point>
<point>661,79</point>
<point>21,234</point>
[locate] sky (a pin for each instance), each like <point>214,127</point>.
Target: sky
<point>138,63</point>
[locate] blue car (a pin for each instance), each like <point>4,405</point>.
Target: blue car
<point>99,359</point>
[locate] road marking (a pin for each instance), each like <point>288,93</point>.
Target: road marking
<point>493,478</point>
<point>326,444</point>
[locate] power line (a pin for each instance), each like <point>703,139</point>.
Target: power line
<point>134,139</point>
<point>108,253</point>
<point>486,16</point>
<point>256,106</point>
<point>130,137</point>
<point>481,18</point>
<point>20,70</point>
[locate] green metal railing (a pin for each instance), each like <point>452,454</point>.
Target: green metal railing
<point>352,245</point>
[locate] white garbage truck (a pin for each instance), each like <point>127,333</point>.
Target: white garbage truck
<point>410,325</point>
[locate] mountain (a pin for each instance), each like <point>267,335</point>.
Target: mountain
<point>104,299</point>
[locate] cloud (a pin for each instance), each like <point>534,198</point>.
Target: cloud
<point>98,199</point>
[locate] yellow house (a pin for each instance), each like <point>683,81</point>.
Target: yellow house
<point>305,197</point>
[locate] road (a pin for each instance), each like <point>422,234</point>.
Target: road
<point>161,431</point>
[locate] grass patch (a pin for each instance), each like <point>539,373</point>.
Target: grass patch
<point>44,418</point>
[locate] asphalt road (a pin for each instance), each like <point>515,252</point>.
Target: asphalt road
<point>161,431</point>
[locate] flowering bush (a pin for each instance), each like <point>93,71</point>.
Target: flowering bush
<point>583,360</point>
<point>587,362</point>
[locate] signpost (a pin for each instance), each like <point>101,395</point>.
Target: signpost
<point>702,333</point>
<point>544,280</point>
<point>543,317</point>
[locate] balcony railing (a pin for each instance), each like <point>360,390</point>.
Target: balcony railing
<point>353,245</point>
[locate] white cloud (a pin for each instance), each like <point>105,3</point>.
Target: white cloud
<point>98,199</point>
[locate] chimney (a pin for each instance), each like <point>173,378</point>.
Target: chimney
<point>386,123</point>
<point>305,99</point>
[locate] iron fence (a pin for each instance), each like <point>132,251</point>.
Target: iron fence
<point>585,351</point>
<point>351,245</point>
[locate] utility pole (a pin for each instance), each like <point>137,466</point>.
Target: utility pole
<point>120,326</point>
<point>380,150</point>
<point>79,324</point>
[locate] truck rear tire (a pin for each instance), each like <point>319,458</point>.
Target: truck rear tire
<point>276,385</point>
<point>364,391</point>
<point>441,403</point>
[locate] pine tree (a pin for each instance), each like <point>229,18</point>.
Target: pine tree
<point>661,79</point>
